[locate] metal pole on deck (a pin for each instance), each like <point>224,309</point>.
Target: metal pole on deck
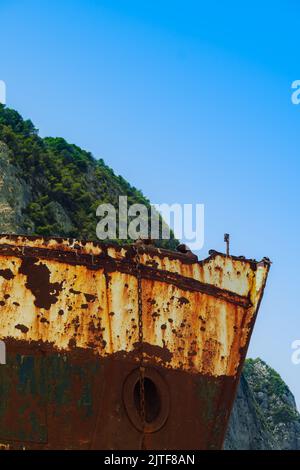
<point>227,241</point>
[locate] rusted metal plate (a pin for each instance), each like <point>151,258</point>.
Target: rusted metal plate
<point>69,310</point>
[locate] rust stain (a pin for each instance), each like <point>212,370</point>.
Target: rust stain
<point>22,328</point>
<point>38,281</point>
<point>6,273</point>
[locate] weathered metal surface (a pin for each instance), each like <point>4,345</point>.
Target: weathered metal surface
<point>69,317</point>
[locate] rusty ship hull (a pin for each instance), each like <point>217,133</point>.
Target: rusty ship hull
<point>69,322</point>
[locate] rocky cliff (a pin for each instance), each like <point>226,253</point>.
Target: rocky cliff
<point>264,415</point>
<point>14,195</point>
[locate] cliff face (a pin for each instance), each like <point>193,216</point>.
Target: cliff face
<point>264,415</point>
<point>17,195</point>
<point>14,195</point>
<point>247,427</point>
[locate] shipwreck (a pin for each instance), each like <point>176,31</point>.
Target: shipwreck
<point>121,347</point>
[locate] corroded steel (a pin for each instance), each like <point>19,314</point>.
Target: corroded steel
<point>69,319</point>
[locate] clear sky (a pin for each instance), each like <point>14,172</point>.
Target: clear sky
<point>191,102</point>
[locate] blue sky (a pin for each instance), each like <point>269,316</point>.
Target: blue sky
<point>191,102</point>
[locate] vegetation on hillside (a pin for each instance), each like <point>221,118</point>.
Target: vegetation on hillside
<point>267,382</point>
<point>64,174</point>
<point>270,381</point>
